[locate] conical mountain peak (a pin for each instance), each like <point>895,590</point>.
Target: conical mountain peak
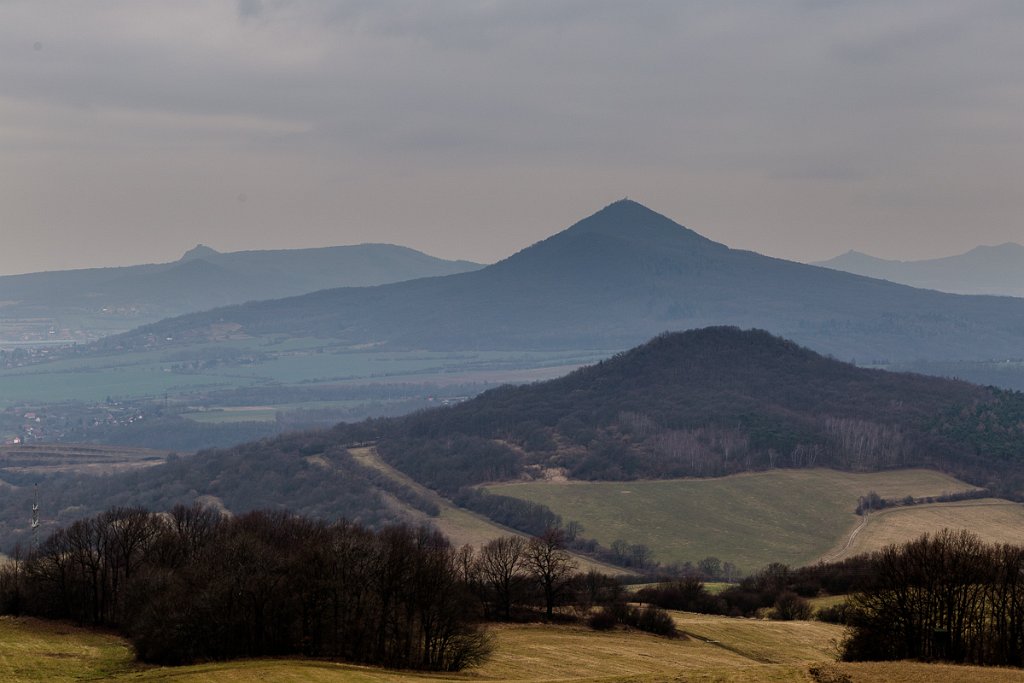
<point>627,218</point>
<point>622,226</point>
<point>199,251</point>
<point>623,274</point>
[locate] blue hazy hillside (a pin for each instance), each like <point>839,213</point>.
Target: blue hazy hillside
<point>204,278</point>
<point>621,276</point>
<point>997,270</point>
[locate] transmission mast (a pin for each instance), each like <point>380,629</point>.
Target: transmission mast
<point>35,520</point>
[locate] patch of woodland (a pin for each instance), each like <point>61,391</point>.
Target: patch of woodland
<point>196,585</point>
<point>943,597</point>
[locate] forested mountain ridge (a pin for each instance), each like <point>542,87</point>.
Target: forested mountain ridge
<point>705,403</point>
<point>204,277</point>
<point>615,279</point>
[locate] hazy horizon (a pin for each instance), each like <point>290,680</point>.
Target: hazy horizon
<point>802,130</point>
<point>175,257</point>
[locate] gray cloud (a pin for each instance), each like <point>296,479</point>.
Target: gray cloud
<point>470,129</point>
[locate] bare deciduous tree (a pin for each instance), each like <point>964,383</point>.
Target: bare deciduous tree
<point>551,566</point>
<point>501,563</point>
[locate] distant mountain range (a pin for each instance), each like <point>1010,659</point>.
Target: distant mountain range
<point>204,278</point>
<point>614,279</point>
<point>997,270</point>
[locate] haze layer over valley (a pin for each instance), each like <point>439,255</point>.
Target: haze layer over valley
<point>609,281</point>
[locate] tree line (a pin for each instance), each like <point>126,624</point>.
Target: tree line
<point>942,597</point>
<point>872,501</point>
<point>776,591</point>
<point>193,585</point>
<point>946,597</point>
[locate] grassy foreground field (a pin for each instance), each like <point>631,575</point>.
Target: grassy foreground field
<point>716,649</point>
<point>33,650</point>
<point>790,516</point>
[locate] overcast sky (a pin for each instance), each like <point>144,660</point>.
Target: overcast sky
<point>130,131</point>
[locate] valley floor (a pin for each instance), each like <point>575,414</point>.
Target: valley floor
<point>716,649</point>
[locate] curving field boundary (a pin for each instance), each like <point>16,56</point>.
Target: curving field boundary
<point>993,519</point>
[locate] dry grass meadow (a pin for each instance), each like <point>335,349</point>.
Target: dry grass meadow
<point>714,649</point>
<point>994,520</point>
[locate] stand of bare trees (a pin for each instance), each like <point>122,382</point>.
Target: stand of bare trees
<point>946,597</point>
<point>513,571</point>
<point>191,585</point>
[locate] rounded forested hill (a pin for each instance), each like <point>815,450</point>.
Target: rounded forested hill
<point>703,403</point>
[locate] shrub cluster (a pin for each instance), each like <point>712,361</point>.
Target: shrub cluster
<point>651,619</point>
<point>522,515</point>
<point>872,501</point>
<point>776,591</point>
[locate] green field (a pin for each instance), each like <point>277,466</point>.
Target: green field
<point>229,415</point>
<point>34,650</point>
<point>790,516</point>
<point>264,413</point>
<point>461,526</point>
<point>269,360</point>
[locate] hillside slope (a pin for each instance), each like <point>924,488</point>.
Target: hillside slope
<point>700,403</point>
<point>706,403</point>
<point>616,278</point>
<point>204,277</point>
<point>997,270</point>
<point>751,519</point>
